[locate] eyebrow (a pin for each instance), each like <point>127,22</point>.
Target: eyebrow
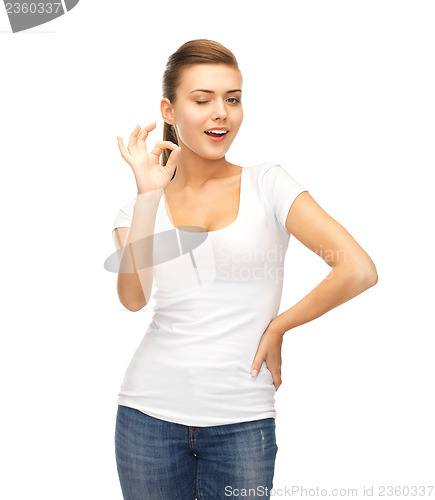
<point>212,92</point>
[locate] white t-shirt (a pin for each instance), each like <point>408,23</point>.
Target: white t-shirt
<point>213,296</point>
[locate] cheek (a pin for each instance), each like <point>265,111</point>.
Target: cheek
<point>237,116</point>
<point>194,121</point>
<point>191,129</point>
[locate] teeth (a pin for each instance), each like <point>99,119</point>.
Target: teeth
<point>217,131</point>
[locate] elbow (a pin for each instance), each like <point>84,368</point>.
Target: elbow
<point>373,278</point>
<point>134,308</point>
<point>368,275</point>
<point>130,293</point>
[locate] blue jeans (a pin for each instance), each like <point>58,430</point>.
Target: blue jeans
<point>161,460</point>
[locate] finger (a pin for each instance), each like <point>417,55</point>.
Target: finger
<point>133,137</point>
<point>162,145</point>
<point>276,378</point>
<point>256,365</point>
<point>124,153</point>
<point>145,131</point>
<point>173,157</point>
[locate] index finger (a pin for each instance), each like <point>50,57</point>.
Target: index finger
<point>144,133</point>
<point>161,146</point>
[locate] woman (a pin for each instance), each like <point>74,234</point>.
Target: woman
<point>196,416</point>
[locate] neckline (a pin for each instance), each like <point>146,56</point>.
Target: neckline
<point>235,221</point>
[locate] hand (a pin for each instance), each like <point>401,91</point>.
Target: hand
<point>148,171</point>
<point>269,350</point>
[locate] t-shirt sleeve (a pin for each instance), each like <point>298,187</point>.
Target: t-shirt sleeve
<point>280,190</point>
<point>124,216</point>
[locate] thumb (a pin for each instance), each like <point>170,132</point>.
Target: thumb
<point>172,160</point>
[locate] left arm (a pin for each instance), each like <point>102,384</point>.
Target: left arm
<point>352,273</point>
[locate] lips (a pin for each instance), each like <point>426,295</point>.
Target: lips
<point>217,134</point>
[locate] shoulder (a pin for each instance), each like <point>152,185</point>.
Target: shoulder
<point>273,176</point>
<point>266,170</point>
<point>258,170</point>
<point>278,189</point>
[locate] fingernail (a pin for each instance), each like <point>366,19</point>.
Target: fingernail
<point>254,373</point>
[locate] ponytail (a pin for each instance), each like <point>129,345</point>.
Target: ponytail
<point>169,134</point>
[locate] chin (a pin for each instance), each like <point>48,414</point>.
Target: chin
<point>210,155</point>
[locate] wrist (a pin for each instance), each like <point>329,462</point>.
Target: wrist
<point>277,327</point>
<point>152,196</point>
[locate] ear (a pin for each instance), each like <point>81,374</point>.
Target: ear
<point>167,111</point>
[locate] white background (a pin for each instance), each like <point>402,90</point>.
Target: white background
<point>341,93</point>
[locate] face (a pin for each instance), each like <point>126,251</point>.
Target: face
<point>218,104</point>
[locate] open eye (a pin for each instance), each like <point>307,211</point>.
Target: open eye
<point>234,99</point>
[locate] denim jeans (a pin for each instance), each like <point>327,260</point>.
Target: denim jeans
<point>161,460</point>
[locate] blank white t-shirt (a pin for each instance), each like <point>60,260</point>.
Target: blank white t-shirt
<point>213,296</point>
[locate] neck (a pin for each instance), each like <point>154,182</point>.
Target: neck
<point>194,171</point>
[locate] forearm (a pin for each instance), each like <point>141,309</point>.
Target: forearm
<point>135,275</point>
<point>340,285</point>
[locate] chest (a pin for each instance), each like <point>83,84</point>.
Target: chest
<point>213,208</point>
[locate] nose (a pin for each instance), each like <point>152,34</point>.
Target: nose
<point>219,110</point>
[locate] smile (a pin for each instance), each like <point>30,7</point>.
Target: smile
<point>216,135</point>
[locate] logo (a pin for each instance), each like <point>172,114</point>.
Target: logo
<point>24,15</point>
<point>181,261</point>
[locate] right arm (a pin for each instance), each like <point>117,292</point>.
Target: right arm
<point>135,243</point>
